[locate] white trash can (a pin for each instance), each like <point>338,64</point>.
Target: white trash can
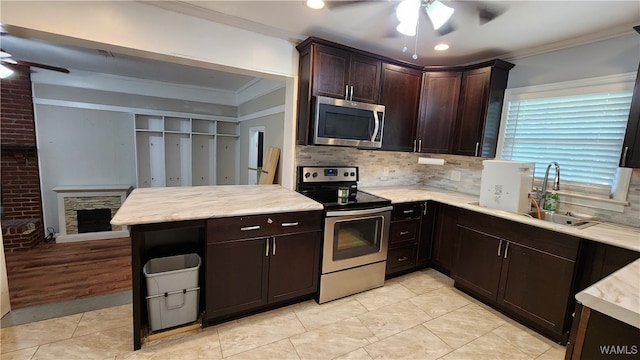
<point>172,290</point>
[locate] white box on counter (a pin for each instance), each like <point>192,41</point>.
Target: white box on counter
<point>506,184</point>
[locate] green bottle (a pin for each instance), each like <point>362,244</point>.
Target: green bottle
<point>551,201</point>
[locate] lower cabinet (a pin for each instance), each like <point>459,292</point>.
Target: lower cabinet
<point>405,237</point>
<point>245,274</point>
<point>444,234</point>
<point>525,271</point>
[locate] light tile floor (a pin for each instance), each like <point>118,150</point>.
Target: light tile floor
<point>416,316</point>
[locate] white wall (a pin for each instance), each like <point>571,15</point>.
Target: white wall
<point>608,57</point>
<point>82,147</point>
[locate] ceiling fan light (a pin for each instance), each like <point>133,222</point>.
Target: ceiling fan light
<point>408,29</point>
<point>438,13</point>
<point>441,47</point>
<point>5,72</point>
<point>4,54</point>
<point>315,4</point>
<point>407,11</point>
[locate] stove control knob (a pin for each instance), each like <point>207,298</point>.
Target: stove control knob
<point>315,174</point>
<point>346,174</point>
<point>353,174</point>
<point>306,175</point>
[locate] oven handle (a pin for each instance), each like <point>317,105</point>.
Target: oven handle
<point>358,212</point>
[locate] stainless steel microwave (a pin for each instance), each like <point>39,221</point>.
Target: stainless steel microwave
<point>347,123</point>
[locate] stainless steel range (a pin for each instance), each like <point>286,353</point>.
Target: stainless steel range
<point>356,230</point>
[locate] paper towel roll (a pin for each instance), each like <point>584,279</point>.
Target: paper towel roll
<point>430,161</point>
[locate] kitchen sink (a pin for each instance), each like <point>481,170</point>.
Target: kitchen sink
<point>567,219</point>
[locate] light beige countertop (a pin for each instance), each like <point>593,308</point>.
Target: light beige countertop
<point>158,205</point>
<point>617,295</point>
<point>627,237</point>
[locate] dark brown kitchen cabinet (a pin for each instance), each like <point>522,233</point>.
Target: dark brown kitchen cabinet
<point>260,260</point>
<point>526,271</point>
<point>328,69</point>
<point>631,146</point>
<point>400,94</point>
<point>444,235</point>
<point>426,235</point>
<point>479,109</point>
<point>438,108</point>
<point>598,260</point>
<point>404,238</point>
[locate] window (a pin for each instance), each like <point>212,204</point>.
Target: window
<point>579,124</point>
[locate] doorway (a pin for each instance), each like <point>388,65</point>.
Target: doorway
<point>256,154</point>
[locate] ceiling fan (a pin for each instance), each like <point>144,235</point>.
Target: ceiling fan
<point>6,58</point>
<point>438,12</point>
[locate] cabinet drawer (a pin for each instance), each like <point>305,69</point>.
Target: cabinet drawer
<point>403,231</point>
<point>251,226</point>
<point>406,211</point>
<point>402,258</point>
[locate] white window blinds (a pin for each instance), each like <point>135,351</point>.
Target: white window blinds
<point>583,132</point>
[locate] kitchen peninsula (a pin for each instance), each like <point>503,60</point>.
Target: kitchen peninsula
<point>233,228</point>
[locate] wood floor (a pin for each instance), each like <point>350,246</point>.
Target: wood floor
<point>56,272</point>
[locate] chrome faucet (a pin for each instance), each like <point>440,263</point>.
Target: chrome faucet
<point>556,183</point>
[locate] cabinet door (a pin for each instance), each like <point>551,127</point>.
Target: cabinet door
<point>536,286</point>
<point>478,262</point>
<point>236,276</point>
<point>438,108</point>
<point>444,237</point>
<point>364,76</point>
<point>401,259</point>
<point>403,232</point>
<point>474,96</point>
<point>330,72</point>
<point>294,265</point>
<point>631,146</point>
<point>400,94</point>
<point>426,234</point>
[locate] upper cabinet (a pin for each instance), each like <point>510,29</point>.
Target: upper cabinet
<point>327,69</point>
<point>438,108</point>
<point>460,109</point>
<point>452,110</point>
<point>400,94</point>
<point>631,146</point>
<point>479,109</point>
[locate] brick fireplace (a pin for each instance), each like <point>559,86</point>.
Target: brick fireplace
<point>21,217</point>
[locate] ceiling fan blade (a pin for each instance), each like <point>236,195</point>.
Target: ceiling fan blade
<point>42,66</point>
<point>487,13</point>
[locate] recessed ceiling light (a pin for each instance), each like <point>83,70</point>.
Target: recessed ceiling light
<point>441,47</point>
<point>315,4</point>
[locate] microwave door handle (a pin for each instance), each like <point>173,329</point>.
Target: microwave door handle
<point>376,126</point>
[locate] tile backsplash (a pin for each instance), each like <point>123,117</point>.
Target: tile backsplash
<point>390,168</point>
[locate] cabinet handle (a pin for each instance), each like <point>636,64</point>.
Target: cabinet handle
<point>351,96</point>
<point>290,224</point>
<point>404,232</point>
<point>420,145</point>
<point>506,248</point>
<point>346,92</point>
<point>414,145</point>
<point>624,156</point>
<point>266,253</point>
<point>247,228</point>
<point>274,246</point>
<point>499,247</point>
<point>404,258</point>
<point>424,209</point>
<point>407,211</point>
<point>477,147</point>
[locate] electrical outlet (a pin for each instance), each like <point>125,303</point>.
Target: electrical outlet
<point>455,175</point>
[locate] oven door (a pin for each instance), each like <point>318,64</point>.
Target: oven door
<point>355,237</point>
